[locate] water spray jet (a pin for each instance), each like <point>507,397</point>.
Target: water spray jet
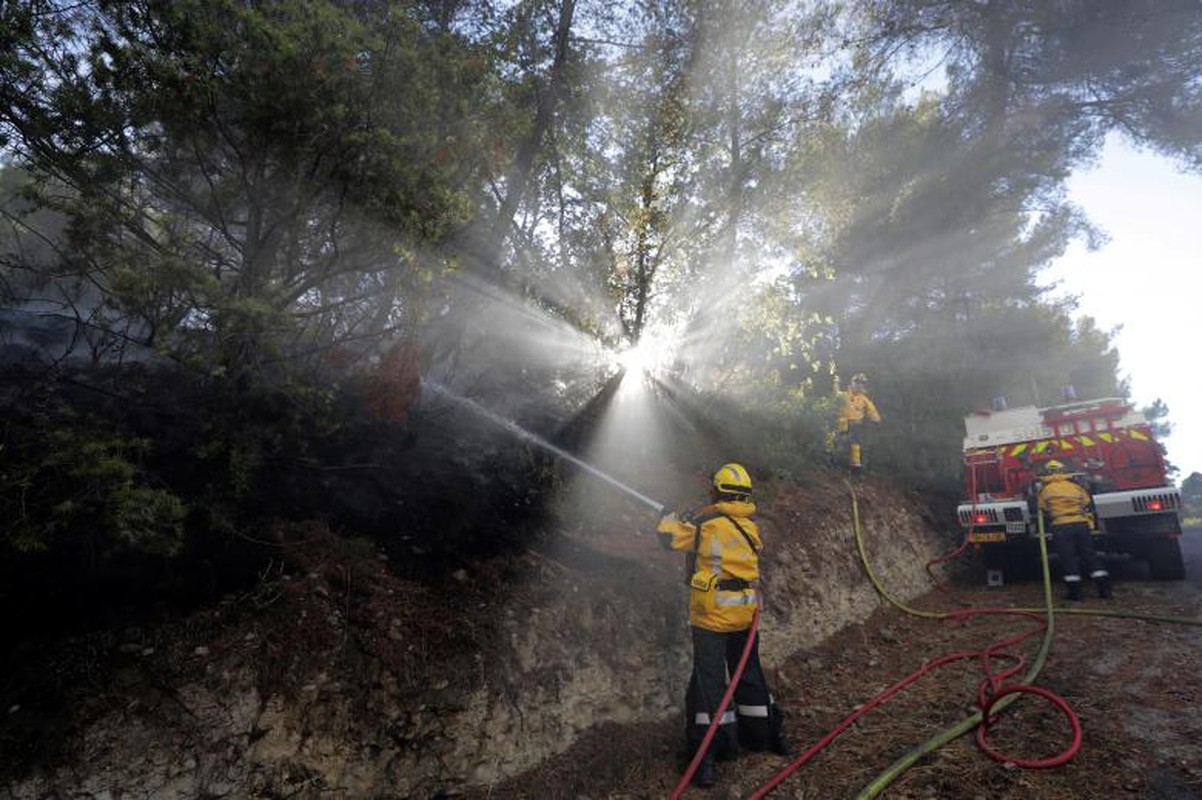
<point>535,439</point>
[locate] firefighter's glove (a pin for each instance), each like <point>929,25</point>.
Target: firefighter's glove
<point>843,426</point>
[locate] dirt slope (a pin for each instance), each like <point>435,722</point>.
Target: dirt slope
<point>559,672</point>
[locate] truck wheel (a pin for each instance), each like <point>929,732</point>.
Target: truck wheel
<point>1164,559</point>
<point>996,556</point>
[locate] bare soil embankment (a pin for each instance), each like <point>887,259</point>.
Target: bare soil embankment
<point>559,672</point>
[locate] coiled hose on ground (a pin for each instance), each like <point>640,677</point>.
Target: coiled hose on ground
<point>994,695</point>
<point>992,699</point>
<point>1001,696</point>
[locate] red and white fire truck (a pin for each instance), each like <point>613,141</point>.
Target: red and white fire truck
<point>1106,445</point>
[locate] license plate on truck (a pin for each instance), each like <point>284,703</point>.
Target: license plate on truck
<point>988,536</point>
<point>1016,527</point>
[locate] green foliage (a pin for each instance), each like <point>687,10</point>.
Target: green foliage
<point>149,520</point>
<point>1158,414</point>
<point>1191,498</point>
<point>252,187</point>
<point>245,181</point>
<point>1158,417</point>
<point>244,435</point>
<point>1052,73</point>
<point>72,488</point>
<point>92,475</point>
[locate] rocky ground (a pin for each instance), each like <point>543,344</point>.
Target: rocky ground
<point>558,672</point>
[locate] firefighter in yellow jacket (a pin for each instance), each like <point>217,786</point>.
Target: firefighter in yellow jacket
<point>723,544</point>
<point>856,407</point>
<point>1069,507</point>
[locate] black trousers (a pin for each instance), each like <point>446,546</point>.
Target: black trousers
<point>752,720</point>
<point>1074,545</point>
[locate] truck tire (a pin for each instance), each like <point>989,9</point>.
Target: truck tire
<point>1164,559</point>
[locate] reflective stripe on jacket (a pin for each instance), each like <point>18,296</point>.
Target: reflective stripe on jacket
<point>1064,500</point>
<point>726,553</point>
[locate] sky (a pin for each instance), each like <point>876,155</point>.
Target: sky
<point>1148,279</point>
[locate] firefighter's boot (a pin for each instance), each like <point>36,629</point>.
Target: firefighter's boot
<point>706,774</point>
<point>856,459</point>
<point>1103,584</point>
<point>782,746</point>
<point>1075,590</point>
<point>778,743</point>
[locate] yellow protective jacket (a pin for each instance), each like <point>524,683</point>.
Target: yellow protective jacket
<point>856,406</point>
<point>724,556</point>
<point>1065,501</point>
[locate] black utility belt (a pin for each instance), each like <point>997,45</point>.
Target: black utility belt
<point>735,585</point>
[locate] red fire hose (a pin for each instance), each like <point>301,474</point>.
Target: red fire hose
<point>713,728</point>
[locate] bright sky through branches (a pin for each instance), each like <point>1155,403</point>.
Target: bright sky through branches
<point>1147,279</point>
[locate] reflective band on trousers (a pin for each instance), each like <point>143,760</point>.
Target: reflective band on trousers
<point>753,711</point>
<point>1072,578</point>
<point>703,718</point>
<point>1099,573</point>
<point>732,599</point>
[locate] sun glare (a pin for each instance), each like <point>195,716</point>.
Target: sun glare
<point>652,356</point>
<point>636,360</point>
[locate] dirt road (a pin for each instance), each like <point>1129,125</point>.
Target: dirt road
<point>1191,547</point>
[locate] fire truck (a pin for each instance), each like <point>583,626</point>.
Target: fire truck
<point>1106,445</point>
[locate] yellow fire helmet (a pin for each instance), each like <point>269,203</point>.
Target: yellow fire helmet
<point>732,479</point>
<point>1053,467</point>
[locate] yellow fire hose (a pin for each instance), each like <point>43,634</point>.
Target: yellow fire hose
<point>974,720</point>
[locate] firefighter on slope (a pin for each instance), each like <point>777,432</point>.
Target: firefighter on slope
<point>723,544</point>
<point>1068,505</point>
<point>856,407</point>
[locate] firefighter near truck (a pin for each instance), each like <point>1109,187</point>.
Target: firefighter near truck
<point>1106,446</point>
